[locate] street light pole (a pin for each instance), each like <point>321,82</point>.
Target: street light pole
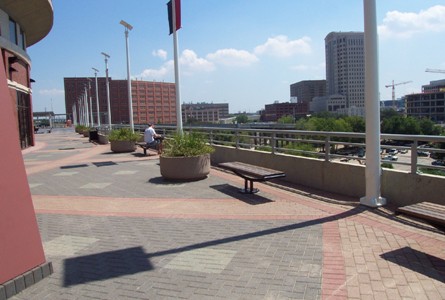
<point>128,27</point>
<point>108,88</point>
<point>91,102</point>
<point>85,99</point>
<point>97,98</point>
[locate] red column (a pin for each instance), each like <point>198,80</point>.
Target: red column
<point>20,244</point>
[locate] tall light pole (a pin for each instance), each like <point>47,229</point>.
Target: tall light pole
<point>128,27</point>
<point>97,98</point>
<point>90,102</point>
<point>85,99</point>
<point>108,88</point>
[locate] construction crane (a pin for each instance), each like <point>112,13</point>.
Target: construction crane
<point>435,71</point>
<point>394,91</point>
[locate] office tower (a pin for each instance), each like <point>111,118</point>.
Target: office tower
<point>345,71</point>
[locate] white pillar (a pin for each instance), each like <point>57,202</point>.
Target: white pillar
<point>373,169</point>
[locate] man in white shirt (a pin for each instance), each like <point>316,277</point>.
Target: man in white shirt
<point>153,139</point>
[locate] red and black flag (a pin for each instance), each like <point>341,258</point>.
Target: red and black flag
<point>176,14</point>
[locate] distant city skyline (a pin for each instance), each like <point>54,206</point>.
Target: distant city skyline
<point>246,54</point>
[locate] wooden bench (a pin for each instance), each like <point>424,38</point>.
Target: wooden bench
<point>145,146</point>
<point>433,212</point>
<point>251,173</point>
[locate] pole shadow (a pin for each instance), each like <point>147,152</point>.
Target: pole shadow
<point>112,264</point>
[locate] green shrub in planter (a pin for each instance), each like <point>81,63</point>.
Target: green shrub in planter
<point>80,128</point>
<point>123,134</point>
<point>186,144</point>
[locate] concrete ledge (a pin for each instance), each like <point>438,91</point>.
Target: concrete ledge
<point>18,284</point>
<point>398,187</point>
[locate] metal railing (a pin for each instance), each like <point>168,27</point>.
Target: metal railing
<point>323,145</point>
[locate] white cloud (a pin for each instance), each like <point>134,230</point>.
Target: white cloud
<point>281,46</point>
<point>189,63</point>
<point>158,74</point>
<point>192,63</point>
<point>406,24</point>
<point>51,92</point>
<point>232,57</point>
<point>160,53</point>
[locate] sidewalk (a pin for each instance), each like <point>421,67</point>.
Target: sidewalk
<point>114,229</point>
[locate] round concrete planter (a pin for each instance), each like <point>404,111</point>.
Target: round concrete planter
<point>122,146</point>
<point>185,168</point>
<point>103,139</point>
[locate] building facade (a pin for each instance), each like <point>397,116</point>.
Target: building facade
<point>345,68</point>
<point>273,112</point>
<point>204,112</point>
<point>152,101</point>
<point>428,104</point>
<point>22,24</point>
<point>306,90</point>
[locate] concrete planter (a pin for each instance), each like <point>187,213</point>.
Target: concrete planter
<point>185,168</point>
<point>103,139</point>
<point>122,146</point>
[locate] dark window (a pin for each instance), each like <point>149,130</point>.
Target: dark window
<point>13,31</point>
<point>22,44</point>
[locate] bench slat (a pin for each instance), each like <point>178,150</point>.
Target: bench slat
<point>251,170</point>
<point>426,210</point>
<point>251,173</point>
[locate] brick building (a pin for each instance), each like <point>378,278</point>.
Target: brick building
<point>23,24</point>
<point>204,112</point>
<point>272,112</point>
<point>152,101</point>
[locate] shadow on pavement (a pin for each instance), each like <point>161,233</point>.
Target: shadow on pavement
<point>233,192</point>
<point>417,261</point>
<point>105,265</point>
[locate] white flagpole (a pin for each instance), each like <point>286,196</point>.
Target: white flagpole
<point>176,61</point>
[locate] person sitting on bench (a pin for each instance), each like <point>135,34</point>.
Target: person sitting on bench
<point>153,139</point>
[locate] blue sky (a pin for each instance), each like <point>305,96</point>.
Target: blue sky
<point>242,52</point>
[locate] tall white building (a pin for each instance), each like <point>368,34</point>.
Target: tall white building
<point>345,71</point>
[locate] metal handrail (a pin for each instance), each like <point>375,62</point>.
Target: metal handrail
<point>273,140</point>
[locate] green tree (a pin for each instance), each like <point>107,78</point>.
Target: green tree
<point>356,123</point>
<point>242,118</point>
<point>287,119</point>
<point>428,127</point>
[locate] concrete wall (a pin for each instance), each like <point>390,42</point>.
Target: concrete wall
<point>399,188</point>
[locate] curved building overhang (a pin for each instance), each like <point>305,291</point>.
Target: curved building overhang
<point>34,17</point>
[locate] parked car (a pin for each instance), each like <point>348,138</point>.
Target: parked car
<point>438,163</point>
<point>390,157</point>
<point>392,151</point>
<point>423,153</point>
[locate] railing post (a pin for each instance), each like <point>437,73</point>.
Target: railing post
<point>237,138</point>
<point>273,141</point>
<point>327,148</point>
<point>414,157</point>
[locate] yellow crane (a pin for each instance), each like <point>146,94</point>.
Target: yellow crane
<point>394,91</point>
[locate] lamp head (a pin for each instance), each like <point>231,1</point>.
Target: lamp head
<point>128,26</point>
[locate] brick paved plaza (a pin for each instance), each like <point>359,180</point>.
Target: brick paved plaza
<point>114,229</point>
